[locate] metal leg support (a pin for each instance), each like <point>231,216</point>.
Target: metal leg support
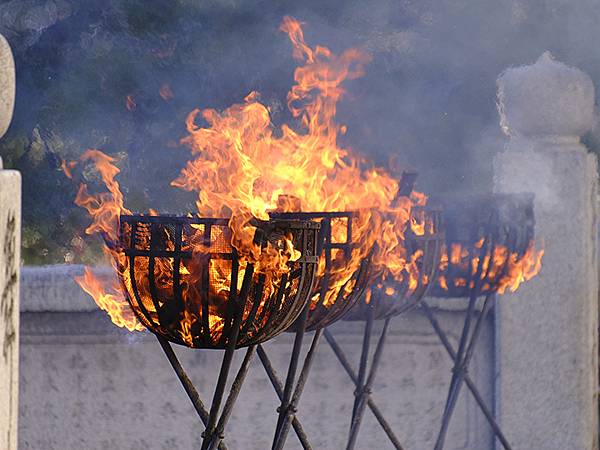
<point>489,415</point>
<point>290,393</point>
<point>186,383</point>
<point>370,402</point>
<point>460,370</point>
<point>278,386</point>
<point>363,388</point>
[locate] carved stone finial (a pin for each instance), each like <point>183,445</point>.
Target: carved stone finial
<point>7,86</point>
<point>547,98</point>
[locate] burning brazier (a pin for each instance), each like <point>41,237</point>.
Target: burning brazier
<point>489,248</point>
<point>187,284</point>
<point>387,297</point>
<point>10,225</point>
<point>351,243</point>
<point>343,274</point>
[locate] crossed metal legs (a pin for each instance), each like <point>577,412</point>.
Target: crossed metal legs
<point>213,435</point>
<point>461,359</point>
<point>290,393</point>
<point>460,375</point>
<point>363,382</point>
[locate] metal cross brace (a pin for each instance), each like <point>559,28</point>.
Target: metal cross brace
<point>214,422</point>
<point>291,408</point>
<point>213,436</point>
<point>289,394</point>
<point>461,359</point>
<point>364,382</point>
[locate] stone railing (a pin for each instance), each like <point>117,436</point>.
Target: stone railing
<point>547,333</point>
<point>88,384</point>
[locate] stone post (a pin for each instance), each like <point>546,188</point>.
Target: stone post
<point>547,333</point>
<point>10,222</point>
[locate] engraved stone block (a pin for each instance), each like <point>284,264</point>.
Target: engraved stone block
<point>10,219</point>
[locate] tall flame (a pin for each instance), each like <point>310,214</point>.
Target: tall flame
<point>104,208</point>
<point>243,164</point>
<point>244,167</point>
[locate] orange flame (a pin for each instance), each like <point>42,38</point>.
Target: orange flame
<point>130,103</point>
<point>243,165</point>
<point>501,269</point>
<point>109,299</point>
<point>104,208</point>
<point>166,92</point>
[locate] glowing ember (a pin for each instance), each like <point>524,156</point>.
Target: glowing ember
<point>130,103</point>
<point>499,271</point>
<point>166,92</point>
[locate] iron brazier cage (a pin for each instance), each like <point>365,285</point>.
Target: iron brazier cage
<point>384,304</point>
<point>330,300</point>
<point>187,284</point>
<point>486,235</point>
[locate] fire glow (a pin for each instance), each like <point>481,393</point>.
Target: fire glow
<point>499,271</point>
<point>243,167</point>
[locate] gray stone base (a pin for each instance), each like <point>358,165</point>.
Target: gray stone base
<point>548,330</point>
<point>87,385</point>
<point>10,219</point>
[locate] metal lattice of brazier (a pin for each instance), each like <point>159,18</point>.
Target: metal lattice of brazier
<point>188,285</point>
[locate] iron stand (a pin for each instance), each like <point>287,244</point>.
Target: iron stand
<point>461,364</point>
<point>214,422</point>
<point>364,382</point>
<point>290,393</point>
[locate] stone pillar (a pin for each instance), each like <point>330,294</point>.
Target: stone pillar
<point>10,220</point>
<point>547,333</point>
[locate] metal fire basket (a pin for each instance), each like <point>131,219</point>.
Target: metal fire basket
<point>174,270</point>
<point>477,228</point>
<point>317,313</point>
<point>383,304</point>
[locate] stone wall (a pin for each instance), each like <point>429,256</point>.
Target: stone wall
<point>87,385</point>
<point>10,209</point>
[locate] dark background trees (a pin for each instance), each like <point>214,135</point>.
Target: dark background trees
<point>428,97</point>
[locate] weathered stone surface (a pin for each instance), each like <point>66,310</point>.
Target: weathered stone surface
<point>87,384</point>
<point>7,86</point>
<point>548,331</point>
<point>10,223</point>
<point>53,288</point>
<point>548,98</point>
